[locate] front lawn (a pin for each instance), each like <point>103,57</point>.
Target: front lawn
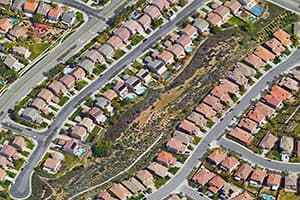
<point>63,100</point>
<point>173,170</point>
<point>236,21</point>
<point>160,182</point>
<point>37,49</point>
<point>80,85</point>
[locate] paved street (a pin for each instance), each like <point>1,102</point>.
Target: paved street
<point>292,5</point>
<point>21,188</point>
<point>217,131</point>
<point>254,158</point>
<point>185,189</point>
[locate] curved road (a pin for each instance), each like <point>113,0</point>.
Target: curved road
<point>218,129</point>
<point>255,158</point>
<point>22,186</point>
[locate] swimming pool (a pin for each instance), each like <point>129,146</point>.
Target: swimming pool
<point>167,75</point>
<point>191,49</point>
<point>80,152</point>
<point>68,70</point>
<point>131,96</point>
<point>1,80</point>
<point>13,20</point>
<point>267,197</point>
<point>141,90</point>
<point>256,10</point>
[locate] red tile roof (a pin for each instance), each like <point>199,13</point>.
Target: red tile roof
<point>283,37</point>
<point>203,176</point>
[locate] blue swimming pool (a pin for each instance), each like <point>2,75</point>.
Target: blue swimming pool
<point>191,49</point>
<point>267,197</point>
<point>167,75</point>
<point>131,96</point>
<point>13,20</point>
<point>68,70</point>
<point>141,90</point>
<point>256,10</point>
<point>80,152</point>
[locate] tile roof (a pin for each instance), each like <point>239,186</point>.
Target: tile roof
<point>283,37</point>
<point>133,185</point>
<point>110,94</point>
<point>57,87</point>
<point>189,127</point>
<point>268,141</point>
<point>124,33</point>
<point>78,73</point>
<point>153,12</point>
<point>274,179</point>
<point>248,124</point>
<point>158,169</point>
<point>104,195</point>
<point>287,144</point>
<point>115,42</point>
<point>255,116</point>
<point>243,172</point>
<point>254,61</point>
<point>223,11</point>
<point>229,163</point>
<point>166,158</point>
<point>275,46</point>
<point>176,145</point>
<point>197,118</point>
<point>30,6</point>
<point>243,196</point>
<point>216,183</point>
<point>203,176</point>
<point>264,109</point>
<point>213,18</point>
<point>120,191</point>
<point>189,30</point>
<point>19,142</point>
<point>241,135</point>
<point>233,5</point>
<point>258,175</point>
<point>289,83</point>
<point>272,100</point>
<point>145,177</point>
<point>145,21</point>
<point>68,80</point>
<point>217,156</point>
<point>264,54</point>
<point>5,25</point>
<point>281,93</point>
<point>205,110</point>
<point>166,56</point>
<point>214,102</point>
<point>39,104</point>
<point>54,13</point>
<point>95,56</point>
<point>177,50</point>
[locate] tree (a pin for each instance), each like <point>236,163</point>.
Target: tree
<point>102,148</point>
<point>38,18</point>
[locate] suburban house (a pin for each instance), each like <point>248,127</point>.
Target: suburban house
<point>158,169</point>
<point>121,89</point>
<point>265,110</point>
<point>177,50</point>
<point>229,164</point>
<point>201,25</point>
<point>289,84</point>
<point>22,51</point>
<point>87,123</point>
<point>214,102</point>
<point>110,94</point>
<point>135,84</point>
<point>176,146</point>
<point>144,75</point>
<point>161,4</point>
<point>205,110</point>
<point>221,93</point>
<point>68,18</point>
<point>268,142</point>
<point>287,145</point>
<point>257,177</point>
<point>214,19</point>
<point>120,191</point>
<point>233,5</point>
<point>248,125</point>
<point>30,7</point>
<point>79,132</point>
<point>145,21</point>
<point>215,185</point>
<point>243,196</point>
<point>87,65</point>
<point>9,152</point>
<point>54,14</point>
<point>264,54</point>
<point>186,42</point>
<point>145,177</point>
<point>4,163</point>
<point>165,158</point>
<point>283,37</point>
<point>238,78</point>
<point>188,127</point>
<point>275,46</point>
<point>182,137</point>
<point>133,185</point>
<point>123,33</point>
<point>243,172</point>
<point>216,157</point>
<point>78,73</point>
<point>256,116</point>
<point>190,31</point>
<point>153,12</point>
<point>166,56</point>
<point>157,66</point>
<point>68,81</point>
<point>16,33</point>
<point>43,9</point>
<point>19,143</point>
<point>281,93</point>
<point>95,56</point>
<point>272,101</point>
<point>46,95</point>
<point>2,174</point>
<point>223,12</point>
<point>97,115</point>
<point>104,195</point>
<point>39,104</point>
<point>241,136</point>
<point>57,88</point>
<point>254,61</point>
<point>31,114</point>
<point>273,181</point>
<point>104,104</point>
<point>290,183</point>
<point>52,164</point>
<point>133,26</point>
<point>203,176</point>
<point>107,50</point>
<point>197,118</point>
<point>70,147</point>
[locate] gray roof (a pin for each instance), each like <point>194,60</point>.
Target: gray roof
<point>43,9</point>
<point>87,65</point>
<point>106,50</point>
<point>156,64</point>
<point>102,102</point>
<point>201,24</point>
<point>30,114</point>
<point>184,138</point>
<point>20,50</point>
<point>133,81</point>
<point>10,61</point>
<point>68,17</point>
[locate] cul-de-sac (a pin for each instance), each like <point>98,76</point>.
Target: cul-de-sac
<point>149,99</point>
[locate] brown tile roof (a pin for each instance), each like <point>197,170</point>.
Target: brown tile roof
<point>216,183</point>
<point>46,94</point>
<point>104,195</point>
<point>176,145</point>
<point>177,50</point>
<point>133,26</point>
<point>120,191</point>
<point>110,94</point>
<point>8,150</point>
<point>68,80</point>
<point>79,132</point>
<point>166,158</point>
<point>153,12</point>
<point>241,135</point>
<point>248,124</point>
<point>222,11</point>
<point>190,30</point>
<point>2,174</point>
<point>265,110</point>
<point>123,33</point>
<point>233,5</point>
<point>115,42</point>
<point>166,56</point>
<point>243,172</point>
<point>222,94</point>
<point>158,169</point>
<point>197,119</point>
<point>275,46</point>
<point>229,86</point>
<point>205,110</point>
<point>184,41</point>
<point>161,4</point>
<point>255,116</point>
<point>254,61</point>
<point>174,197</point>
<point>145,21</point>
<point>57,87</point>
<point>274,179</point>
<point>51,163</point>
<point>237,77</point>
<point>272,100</point>
<point>264,54</point>
<point>39,104</point>
<point>145,177</point>
<point>217,156</point>
<point>268,141</point>
<point>283,37</point>
<point>95,56</point>
<point>213,18</point>
<point>281,93</point>
<point>243,196</point>
<point>203,176</point>
<point>133,185</point>
<point>258,175</point>
<point>189,127</point>
<point>289,83</point>
<point>291,180</point>
<point>78,73</point>
<point>214,102</point>
<point>229,163</point>
<point>19,142</point>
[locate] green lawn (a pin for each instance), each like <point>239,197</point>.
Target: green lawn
<point>37,49</point>
<point>173,170</point>
<point>135,39</point>
<point>63,100</point>
<point>196,140</point>
<point>80,85</point>
<point>236,21</point>
<point>160,182</point>
<point>119,54</point>
<point>75,114</point>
